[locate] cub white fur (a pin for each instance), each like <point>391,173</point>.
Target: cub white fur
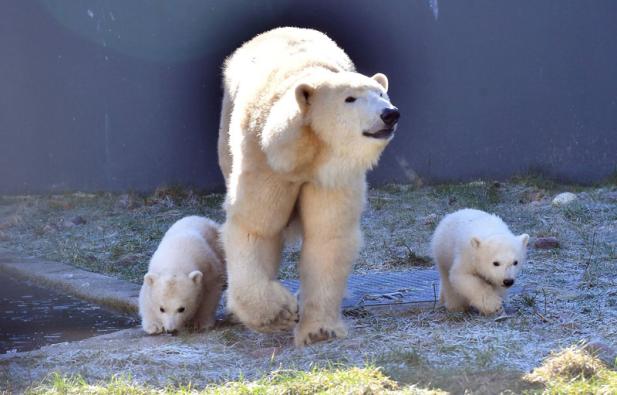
<point>299,129</point>
<point>185,278</point>
<point>478,259</point>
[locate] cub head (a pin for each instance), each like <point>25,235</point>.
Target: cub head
<point>499,258</point>
<point>350,112</point>
<point>174,298</point>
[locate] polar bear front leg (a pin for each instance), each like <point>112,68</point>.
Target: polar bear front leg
<point>331,222</point>
<point>205,317</point>
<point>448,296</point>
<point>481,295</point>
<point>255,297</point>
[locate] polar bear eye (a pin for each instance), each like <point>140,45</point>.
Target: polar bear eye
<point>350,99</point>
<point>162,309</point>
<point>495,263</point>
<point>181,310</point>
<point>515,263</point>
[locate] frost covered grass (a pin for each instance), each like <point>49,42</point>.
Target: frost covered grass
<point>569,293</point>
<point>116,233</point>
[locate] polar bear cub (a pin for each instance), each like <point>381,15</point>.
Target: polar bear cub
<point>185,278</point>
<point>478,260</point>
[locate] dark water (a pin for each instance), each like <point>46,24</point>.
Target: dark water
<point>31,317</point>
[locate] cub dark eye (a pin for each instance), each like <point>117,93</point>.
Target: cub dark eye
<point>495,263</point>
<point>181,310</point>
<point>515,263</point>
<point>350,99</point>
<point>162,309</point>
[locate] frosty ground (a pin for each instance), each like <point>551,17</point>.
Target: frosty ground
<point>569,293</point>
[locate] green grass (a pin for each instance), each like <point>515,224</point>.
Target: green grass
<point>574,371</point>
<point>368,380</point>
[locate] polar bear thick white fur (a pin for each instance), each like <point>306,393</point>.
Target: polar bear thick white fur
<point>299,129</point>
<point>185,278</point>
<point>478,260</point>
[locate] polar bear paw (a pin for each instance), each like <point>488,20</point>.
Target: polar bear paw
<point>151,328</point>
<point>279,311</point>
<point>489,304</point>
<point>313,332</point>
<point>201,324</point>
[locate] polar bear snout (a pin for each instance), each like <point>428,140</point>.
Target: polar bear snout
<point>390,116</point>
<point>508,282</point>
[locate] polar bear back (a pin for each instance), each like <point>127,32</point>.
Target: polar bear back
<point>189,244</point>
<point>277,55</point>
<point>455,230</point>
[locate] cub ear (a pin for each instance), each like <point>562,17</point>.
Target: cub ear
<point>304,92</point>
<point>196,276</point>
<point>524,239</point>
<point>150,278</point>
<point>475,242</point>
<point>382,80</point>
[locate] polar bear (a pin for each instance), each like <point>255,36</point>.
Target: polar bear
<point>478,259</point>
<point>185,278</point>
<point>299,129</point>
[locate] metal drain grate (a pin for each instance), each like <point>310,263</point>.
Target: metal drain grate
<point>384,288</point>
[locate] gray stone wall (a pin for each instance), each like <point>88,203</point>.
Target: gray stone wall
<point>119,95</point>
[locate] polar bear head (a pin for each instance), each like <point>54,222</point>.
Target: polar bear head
<point>350,113</point>
<point>174,298</point>
<point>499,258</point>
<point>348,109</point>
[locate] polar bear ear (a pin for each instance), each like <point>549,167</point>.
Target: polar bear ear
<point>475,242</point>
<point>382,80</point>
<point>196,276</point>
<point>304,92</point>
<point>150,278</point>
<point>524,239</point>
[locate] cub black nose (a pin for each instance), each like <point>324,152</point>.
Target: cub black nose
<point>508,282</point>
<point>390,116</point>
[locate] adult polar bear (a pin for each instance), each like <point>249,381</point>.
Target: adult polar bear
<point>299,129</point>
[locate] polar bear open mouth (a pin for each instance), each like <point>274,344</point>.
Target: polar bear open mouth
<point>380,134</point>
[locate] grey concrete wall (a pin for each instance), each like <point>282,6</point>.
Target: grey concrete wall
<point>116,95</point>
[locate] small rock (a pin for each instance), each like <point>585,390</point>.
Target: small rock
<point>605,352</point>
<point>546,243</point>
<point>50,228</point>
<point>563,199</point>
<point>75,221</point>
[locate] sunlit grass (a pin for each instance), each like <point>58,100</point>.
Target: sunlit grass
<point>368,380</point>
<point>574,371</point>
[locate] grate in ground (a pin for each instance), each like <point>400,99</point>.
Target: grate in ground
<point>385,288</point>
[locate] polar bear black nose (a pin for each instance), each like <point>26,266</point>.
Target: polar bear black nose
<point>508,282</point>
<point>390,116</point>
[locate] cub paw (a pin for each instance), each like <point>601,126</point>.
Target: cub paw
<point>151,328</point>
<point>307,334</point>
<point>489,305</point>
<point>199,325</point>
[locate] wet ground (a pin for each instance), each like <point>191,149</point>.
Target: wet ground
<point>32,317</point>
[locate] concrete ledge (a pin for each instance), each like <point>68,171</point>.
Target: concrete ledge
<point>97,288</point>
